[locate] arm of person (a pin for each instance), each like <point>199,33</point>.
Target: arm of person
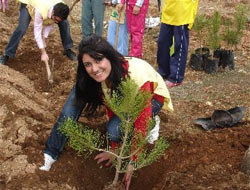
<point>40,39</point>
<point>120,4</point>
<point>138,6</point>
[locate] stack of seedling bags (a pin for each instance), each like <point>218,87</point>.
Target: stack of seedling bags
<point>213,57</point>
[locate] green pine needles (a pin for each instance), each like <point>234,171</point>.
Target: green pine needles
<point>214,25</point>
<point>232,28</point>
<point>199,27</point>
<point>81,138</point>
<point>127,103</point>
<point>235,28</point>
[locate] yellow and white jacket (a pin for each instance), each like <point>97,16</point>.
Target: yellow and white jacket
<point>179,12</point>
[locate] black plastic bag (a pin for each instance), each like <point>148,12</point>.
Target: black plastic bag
<point>226,58</point>
<point>222,118</point>
<point>211,64</point>
<point>197,58</point>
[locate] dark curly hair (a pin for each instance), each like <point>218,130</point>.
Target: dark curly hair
<point>61,10</point>
<point>89,91</point>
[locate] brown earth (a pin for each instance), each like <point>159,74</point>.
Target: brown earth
<point>196,159</point>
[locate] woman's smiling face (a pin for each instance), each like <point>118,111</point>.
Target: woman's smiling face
<point>98,70</point>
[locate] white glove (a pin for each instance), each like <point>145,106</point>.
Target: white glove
<point>48,161</point>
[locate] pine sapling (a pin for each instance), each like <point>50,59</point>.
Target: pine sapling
<point>127,103</point>
<point>235,28</point>
<point>214,25</point>
<point>199,25</point>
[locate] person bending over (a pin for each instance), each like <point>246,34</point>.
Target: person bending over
<point>45,13</point>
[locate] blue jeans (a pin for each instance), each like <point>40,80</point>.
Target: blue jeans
<point>92,9</point>
<point>172,67</point>
<point>23,24</point>
<point>56,140</point>
<point>122,44</point>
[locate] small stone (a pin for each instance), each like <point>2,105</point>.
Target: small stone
<point>209,103</point>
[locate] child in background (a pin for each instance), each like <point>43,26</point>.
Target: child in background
<point>176,21</point>
<point>118,19</point>
<point>136,11</point>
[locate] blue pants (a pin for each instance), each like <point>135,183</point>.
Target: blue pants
<point>56,140</point>
<point>24,21</point>
<point>92,9</point>
<point>172,67</point>
<point>122,44</point>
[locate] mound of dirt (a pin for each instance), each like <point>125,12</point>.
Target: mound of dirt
<point>22,112</point>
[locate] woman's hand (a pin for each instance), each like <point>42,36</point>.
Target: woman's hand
<point>127,177</point>
<point>103,157</point>
<point>136,10</point>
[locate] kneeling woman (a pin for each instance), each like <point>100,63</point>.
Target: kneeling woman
<point>100,69</point>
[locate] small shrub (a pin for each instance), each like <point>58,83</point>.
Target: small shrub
<point>214,24</point>
<point>199,27</point>
<point>127,103</point>
<point>235,28</point>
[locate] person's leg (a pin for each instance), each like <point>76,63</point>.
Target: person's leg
<point>114,129</point>
<point>165,41</point>
<point>156,107</point>
<point>111,32</point>
<point>179,58</point>
<point>98,8</point>
<point>23,23</point>
<point>122,45</point>
<point>66,39</point>
<point>87,16</point>
<point>56,140</point>
<point>137,31</point>
<point>64,29</point>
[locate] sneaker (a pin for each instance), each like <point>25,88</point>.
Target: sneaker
<point>48,161</point>
<point>4,59</point>
<point>171,84</point>
<point>70,54</point>
<point>154,133</point>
